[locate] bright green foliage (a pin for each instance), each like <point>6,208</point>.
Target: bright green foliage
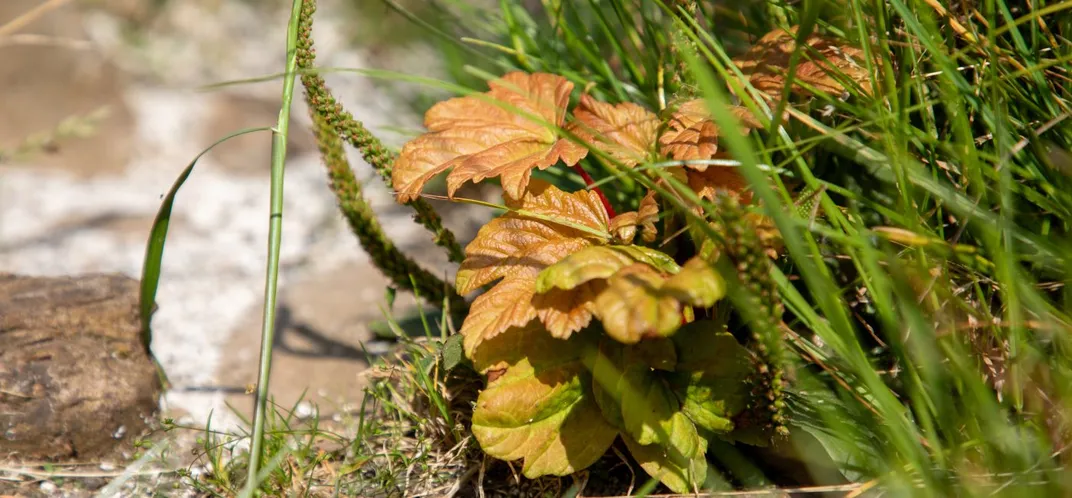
<point>707,363</point>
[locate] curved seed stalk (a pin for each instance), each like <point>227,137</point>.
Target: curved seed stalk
<point>362,220</point>
<point>323,103</point>
<point>751,266</point>
<point>681,88</point>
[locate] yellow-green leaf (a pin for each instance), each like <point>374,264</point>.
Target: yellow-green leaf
<point>606,362</point>
<point>599,262</point>
<point>546,416</point>
<point>710,379</point>
<point>697,284</point>
<point>680,472</point>
<point>650,411</point>
<point>637,399</point>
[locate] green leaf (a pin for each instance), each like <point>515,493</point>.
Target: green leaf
<point>650,410</point>
<point>605,363</point>
<point>704,345</point>
<point>710,379</point>
<point>659,354</point>
<point>697,284</point>
<point>453,352</point>
<point>804,457</point>
<point>546,416</point>
<point>600,262</point>
<point>681,472</point>
<point>636,399</point>
<point>389,296</point>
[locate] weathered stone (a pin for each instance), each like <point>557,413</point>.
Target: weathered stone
<point>75,381</point>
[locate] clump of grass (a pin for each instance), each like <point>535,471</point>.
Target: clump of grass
<point>925,285</point>
<point>406,438</point>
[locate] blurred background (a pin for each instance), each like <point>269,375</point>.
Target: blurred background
<point>104,104</point>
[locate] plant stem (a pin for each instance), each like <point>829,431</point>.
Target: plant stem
<point>590,182</point>
<point>275,225</point>
<point>350,129</point>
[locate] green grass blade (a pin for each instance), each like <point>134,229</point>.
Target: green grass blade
<point>275,235</point>
<point>154,250</point>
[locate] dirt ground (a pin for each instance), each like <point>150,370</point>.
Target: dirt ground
<point>107,92</point>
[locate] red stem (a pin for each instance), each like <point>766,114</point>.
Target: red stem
<point>589,181</point>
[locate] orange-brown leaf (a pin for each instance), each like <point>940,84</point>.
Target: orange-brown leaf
<point>583,207</point>
<point>490,136</point>
<point>624,226</point>
<point>513,163</point>
<point>648,215</point>
<point>564,312</point>
<point>511,245</point>
<point>821,63</point>
<point>517,244</point>
<point>515,247</point>
<point>719,178</point>
<point>505,306</point>
<point>691,134</point>
<point>625,131</point>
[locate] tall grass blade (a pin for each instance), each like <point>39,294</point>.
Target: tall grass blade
<point>275,235</point>
<point>154,250</point>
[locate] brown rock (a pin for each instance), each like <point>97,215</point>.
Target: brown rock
<point>75,381</point>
